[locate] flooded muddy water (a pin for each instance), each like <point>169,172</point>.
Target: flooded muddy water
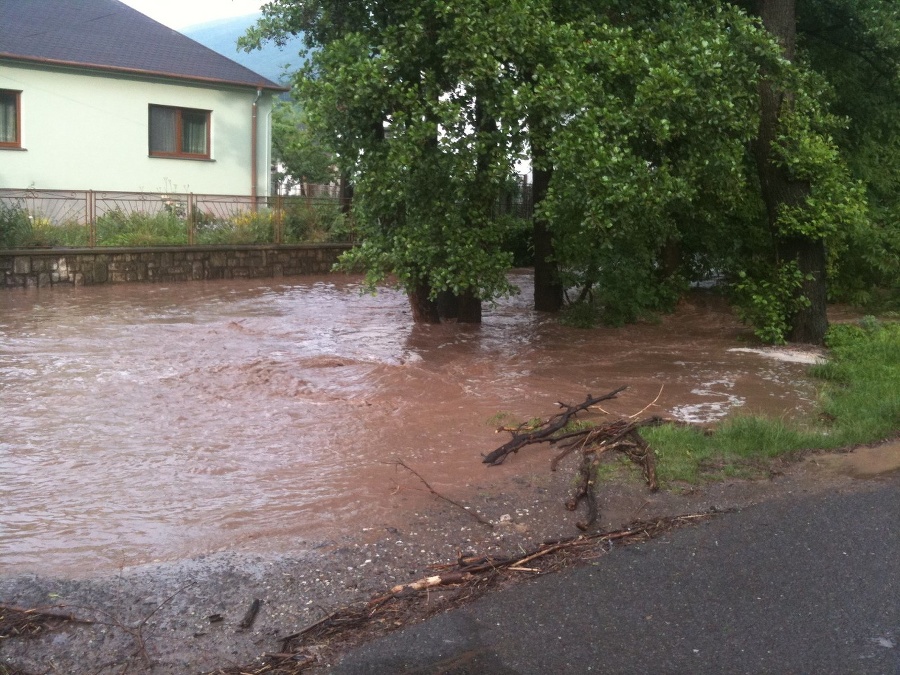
<point>144,422</point>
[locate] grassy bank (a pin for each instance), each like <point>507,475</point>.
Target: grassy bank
<point>859,403</point>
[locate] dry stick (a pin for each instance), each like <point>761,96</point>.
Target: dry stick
<point>569,447</point>
<point>250,616</point>
<point>439,495</point>
<point>468,576</point>
<point>467,573</point>
<point>14,621</point>
<point>652,403</point>
<point>309,627</point>
<point>137,633</point>
<point>544,433</point>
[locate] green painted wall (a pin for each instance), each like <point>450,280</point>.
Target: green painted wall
<point>88,131</point>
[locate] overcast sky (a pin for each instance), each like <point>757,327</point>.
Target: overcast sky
<point>179,14</point>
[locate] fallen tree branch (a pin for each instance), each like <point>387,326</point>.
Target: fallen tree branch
<point>18,622</point>
<point>621,435</point>
<point>545,432</point>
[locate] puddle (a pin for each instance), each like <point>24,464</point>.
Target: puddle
<point>862,462</point>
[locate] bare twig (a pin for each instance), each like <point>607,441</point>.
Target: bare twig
<point>16,621</point>
<point>481,520</point>
<point>649,405</point>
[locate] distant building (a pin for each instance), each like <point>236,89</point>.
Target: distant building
<point>95,95</point>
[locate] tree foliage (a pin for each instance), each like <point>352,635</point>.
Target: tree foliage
<point>648,119</point>
<point>855,46</point>
<point>301,155</point>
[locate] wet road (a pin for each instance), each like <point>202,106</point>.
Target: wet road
<point>799,585</point>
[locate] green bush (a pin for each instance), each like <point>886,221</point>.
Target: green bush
<point>518,239</point>
<point>306,222</point>
<point>18,229</point>
<point>246,227</point>
<point>118,228</point>
<point>15,226</point>
<point>768,300</point>
<point>44,233</point>
<point>581,314</point>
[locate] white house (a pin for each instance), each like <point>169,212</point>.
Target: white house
<point>96,96</point>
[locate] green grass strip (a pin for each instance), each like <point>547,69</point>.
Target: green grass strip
<point>859,403</point>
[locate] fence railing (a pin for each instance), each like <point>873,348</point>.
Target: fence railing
<point>87,219</point>
<point>41,218</point>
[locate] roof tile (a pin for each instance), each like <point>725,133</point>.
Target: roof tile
<point>109,34</point>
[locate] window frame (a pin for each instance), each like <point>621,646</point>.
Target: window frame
<point>15,144</point>
<point>179,131</point>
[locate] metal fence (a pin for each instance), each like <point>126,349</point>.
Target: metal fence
<point>40,218</point>
<point>86,219</point>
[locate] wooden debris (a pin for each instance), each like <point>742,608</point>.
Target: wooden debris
<point>622,435</point>
<point>546,431</point>
<point>250,616</point>
<point>471,575</point>
<point>18,622</point>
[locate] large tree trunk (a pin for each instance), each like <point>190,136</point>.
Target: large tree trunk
<point>810,324</point>
<point>346,193</point>
<point>465,308</point>
<point>469,308</point>
<point>424,310</point>
<point>548,291</point>
<point>779,189</point>
<point>448,305</point>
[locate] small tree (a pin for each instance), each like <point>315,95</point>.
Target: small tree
<point>300,154</point>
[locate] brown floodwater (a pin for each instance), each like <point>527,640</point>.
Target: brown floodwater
<point>151,422</point>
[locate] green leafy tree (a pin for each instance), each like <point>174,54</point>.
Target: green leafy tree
<point>649,151</point>
<point>855,45</point>
<point>668,139</point>
<point>299,152</point>
<point>421,110</point>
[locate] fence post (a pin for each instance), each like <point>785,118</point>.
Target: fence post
<point>279,217</point>
<point>90,206</point>
<point>191,221</point>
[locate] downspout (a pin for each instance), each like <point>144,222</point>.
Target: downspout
<point>253,149</point>
<point>268,149</point>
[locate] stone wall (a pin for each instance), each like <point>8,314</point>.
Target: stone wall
<point>121,265</point>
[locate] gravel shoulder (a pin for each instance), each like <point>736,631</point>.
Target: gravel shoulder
<point>186,616</point>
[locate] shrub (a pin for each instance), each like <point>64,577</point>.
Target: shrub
<point>117,228</point>
<point>45,233</point>
<point>246,227</point>
<point>580,314</point>
<point>15,226</point>
<point>315,223</point>
<point>18,229</point>
<point>768,300</point>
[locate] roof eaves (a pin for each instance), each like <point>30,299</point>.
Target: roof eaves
<point>262,84</point>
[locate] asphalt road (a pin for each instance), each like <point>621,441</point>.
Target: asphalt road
<point>806,584</point>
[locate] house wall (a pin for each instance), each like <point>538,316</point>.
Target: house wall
<point>89,131</point>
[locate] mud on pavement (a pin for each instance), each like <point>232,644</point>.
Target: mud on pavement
<point>192,616</point>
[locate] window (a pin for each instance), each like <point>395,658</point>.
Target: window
<point>10,112</point>
<point>179,132</point>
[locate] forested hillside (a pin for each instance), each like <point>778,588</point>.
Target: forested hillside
<point>222,36</point>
